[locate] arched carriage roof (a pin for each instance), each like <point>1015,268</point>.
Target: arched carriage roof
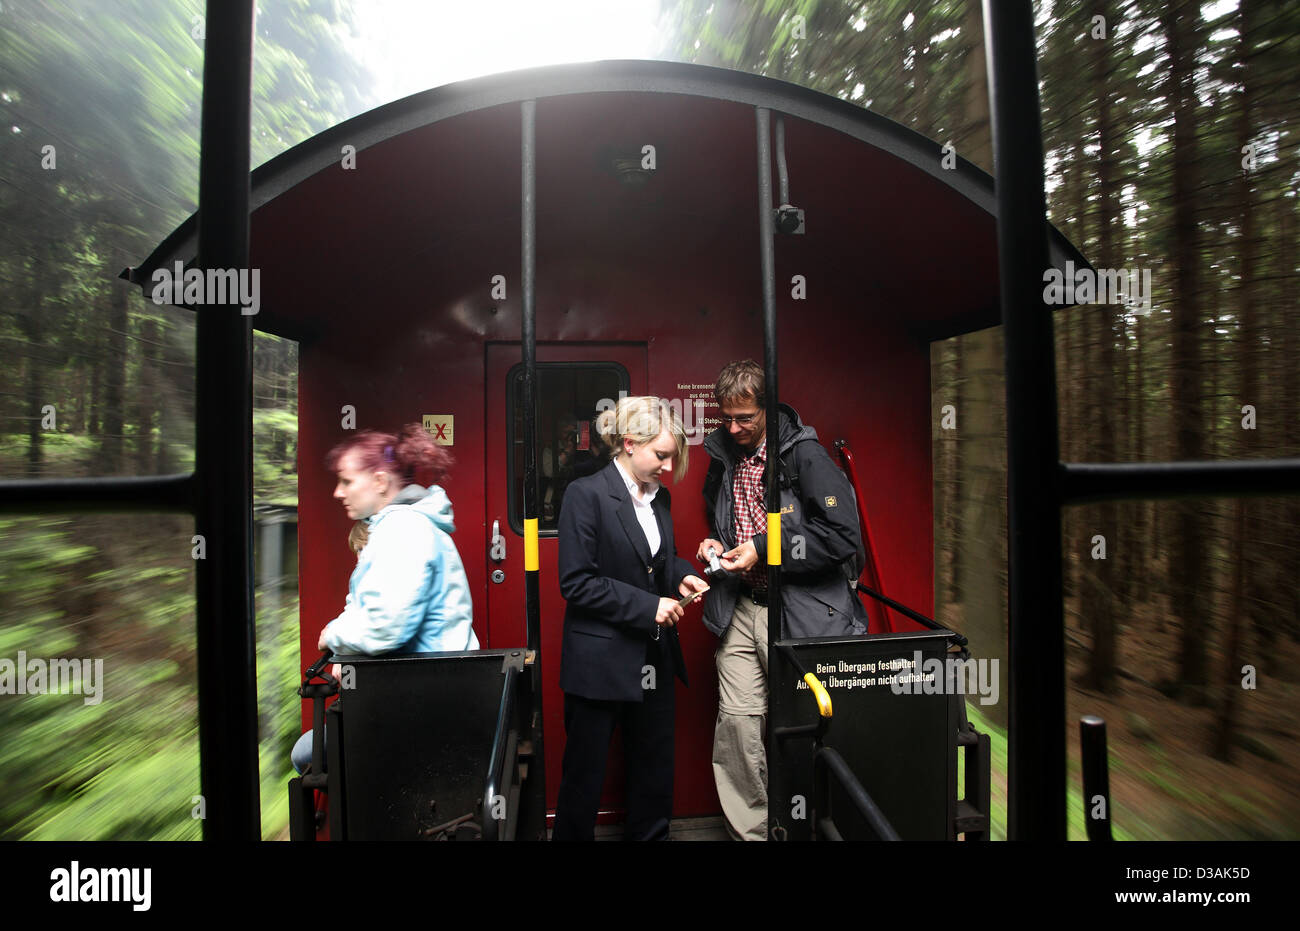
<point>907,151</point>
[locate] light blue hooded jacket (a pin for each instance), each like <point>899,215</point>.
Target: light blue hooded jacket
<point>408,593</point>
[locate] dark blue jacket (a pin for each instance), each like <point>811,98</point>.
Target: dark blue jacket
<point>611,594</point>
<point>819,533</point>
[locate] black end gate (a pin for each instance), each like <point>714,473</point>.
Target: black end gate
<point>435,746</point>
<point>898,717</point>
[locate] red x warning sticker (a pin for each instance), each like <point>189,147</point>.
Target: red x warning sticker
<point>441,427</point>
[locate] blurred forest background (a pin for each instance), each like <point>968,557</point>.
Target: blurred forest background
<point>1171,146</point>
<point>99,381</point>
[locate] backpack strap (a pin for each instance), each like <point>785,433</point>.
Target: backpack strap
<point>788,471</point>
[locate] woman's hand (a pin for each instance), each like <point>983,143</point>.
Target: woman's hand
<point>692,584</point>
<point>669,613</point>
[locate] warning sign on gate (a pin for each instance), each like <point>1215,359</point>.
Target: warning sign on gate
<point>440,426</point>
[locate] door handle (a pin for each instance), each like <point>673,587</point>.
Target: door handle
<point>497,551</point>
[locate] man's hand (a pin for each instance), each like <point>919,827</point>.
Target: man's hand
<point>742,558</point>
<point>320,644</point>
<point>702,554</point>
<point>669,613</point>
<point>692,584</point>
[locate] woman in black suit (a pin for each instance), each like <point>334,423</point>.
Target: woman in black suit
<point>621,576</point>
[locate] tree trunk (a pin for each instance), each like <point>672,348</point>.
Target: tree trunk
<point>983,552</point>
<point>1290,380</point>
<point>1190,605</point>
<point>1097,602</point>
<point>32,323</point>
<point>977,136</point>
<point>149,396</point>
<point>111,462</point>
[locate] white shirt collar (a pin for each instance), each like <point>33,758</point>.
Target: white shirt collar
<point>634,487</point>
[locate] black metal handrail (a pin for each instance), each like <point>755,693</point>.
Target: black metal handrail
<point>502,755</point>
<point>144,493</point>
<point>828,765</point>
<point>1101,481</point>
<point>917,616</point>
<point>318,692</point>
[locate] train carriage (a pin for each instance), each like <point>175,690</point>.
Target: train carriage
<point>389,248</point>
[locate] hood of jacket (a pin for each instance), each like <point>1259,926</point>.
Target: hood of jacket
<point>792,430</point>
<point>432,502</point>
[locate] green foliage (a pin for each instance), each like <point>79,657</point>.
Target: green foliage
<point>905,61</point>
<point>125,768</point>
<point>276,480</point>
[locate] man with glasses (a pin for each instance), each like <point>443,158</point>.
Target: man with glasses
<point>821,547</point>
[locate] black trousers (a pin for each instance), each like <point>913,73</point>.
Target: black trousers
<point>647,759</point>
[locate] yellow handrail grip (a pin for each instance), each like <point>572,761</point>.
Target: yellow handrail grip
<point>823,697</point>
<point>531,562</point>
<point>773,539</point>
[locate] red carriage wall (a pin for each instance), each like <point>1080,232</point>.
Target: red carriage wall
<point>403,282</point>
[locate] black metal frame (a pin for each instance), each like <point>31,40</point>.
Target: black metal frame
<point>175,493</point>
<point>1096,776</point>
<point>1100,481</point>
<point>227,641</point>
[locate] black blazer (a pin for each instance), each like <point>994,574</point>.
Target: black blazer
<point>611,593</point>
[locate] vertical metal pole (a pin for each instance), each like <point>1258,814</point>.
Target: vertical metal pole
<point>533,806</point>
<point>1036,744</point>
<point>766,247</point>
<point>528,325</point>
<point>1096,776</point>
<point>223,442</point>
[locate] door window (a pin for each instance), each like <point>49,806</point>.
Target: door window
<point>568,395</point>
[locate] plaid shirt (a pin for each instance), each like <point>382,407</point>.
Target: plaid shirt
<point>751,508</point>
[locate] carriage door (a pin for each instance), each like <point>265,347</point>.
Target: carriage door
<point>572,379</point>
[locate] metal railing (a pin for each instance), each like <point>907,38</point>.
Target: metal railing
<point>498,807</point>
<point>828,767</point>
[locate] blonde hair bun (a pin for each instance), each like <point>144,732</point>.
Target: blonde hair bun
<point>641,419</point>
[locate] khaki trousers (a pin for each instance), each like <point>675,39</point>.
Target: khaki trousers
<point>739,751</point>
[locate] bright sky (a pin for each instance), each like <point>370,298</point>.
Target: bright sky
<point>413,45</point>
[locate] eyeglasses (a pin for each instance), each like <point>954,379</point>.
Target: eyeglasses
<point>744,420</point>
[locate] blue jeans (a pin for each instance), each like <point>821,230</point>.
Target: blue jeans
<point>301,753</point>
